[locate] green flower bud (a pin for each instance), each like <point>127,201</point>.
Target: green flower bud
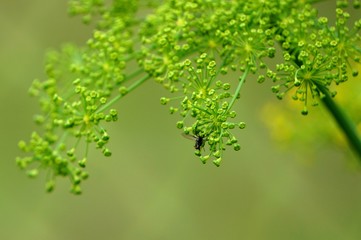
<point>164,100</point>
<point>204,158</point>
<point>84,175</point>
<point>50,185</point>
<point>217,161</point>
<point>242,125</point>
<point>217,154</point>
<point>82,163</point>
<point>236,147</point>
<point>226,86</point>
<point>197,152</point>
<point>304,112</point>
<point>33,173</point>
<point>180,124</point>
<point>107,152</point>
<point>76,189</point>
<point>123,90</point>
<point>22,145</point>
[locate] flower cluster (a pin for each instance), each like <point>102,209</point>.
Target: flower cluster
<point>76,99</point>
<point>207,102</point>
<point>188,46</point>
<point>176,30</point>
<point>71,113</point>
<point>315,54</point>
<point>90,10</point>
<point>239,32</point>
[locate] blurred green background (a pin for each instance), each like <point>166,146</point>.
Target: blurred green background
<point>153,187</point>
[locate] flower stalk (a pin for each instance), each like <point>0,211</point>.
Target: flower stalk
<point>342,120</point>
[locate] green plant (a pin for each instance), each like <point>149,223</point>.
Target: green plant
<point>189,47</point>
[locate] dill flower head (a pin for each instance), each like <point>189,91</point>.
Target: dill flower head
<point>205,107</point>
<point>315,55</point>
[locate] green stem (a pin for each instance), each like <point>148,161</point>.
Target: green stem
<point>344,123</point>
<point>240,83</point>
<point>342,120</point>
<point>129,89</point>
<point>134,74</point>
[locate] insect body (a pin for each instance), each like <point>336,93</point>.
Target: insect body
<point>199,140</point>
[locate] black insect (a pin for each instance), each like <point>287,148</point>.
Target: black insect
<point>199,140</point>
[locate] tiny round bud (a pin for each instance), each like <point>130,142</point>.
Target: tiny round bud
<point>123,90</point>
<point>217,161</point>
<point>21,162</point>
<point>39,119</point>
<point>236,147</point>
<point>204,158</point>
<point>71,152</point>
<point>22,145</point>
<point>242,125</point>
<point>217,154</point>
<point>76,180</point>
<point>172,110</point>
<point>103,100</point>
<point>232,114</point>
<point>356,4</point>
<point>164,100</point>
<point>82,163</point>
<point>33,173</point>
<point>49,186</point>
<point>107,152</point>
<point>105,136</point>
<point>226,86</point>
<point>76,189</point>
<point>180,124</point>
<point>187,62</point>
<point>261,79</point>
<point>84,175</point>
<point>275,89</point>
<point>197,152</point>
<point>304,112</point>
<point>297,82</point>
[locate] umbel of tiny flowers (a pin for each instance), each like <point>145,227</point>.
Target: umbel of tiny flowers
<point>239,38</point>
<point>71,114</point>
<point>188,46</point>
<point>206,107</point>
<point>75,99</point>
<point>238,32</point>
<point>316,55</point>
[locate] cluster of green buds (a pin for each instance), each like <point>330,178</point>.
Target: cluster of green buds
<point>206,108</point>
<point>77,96</point>
<point>188,46</point>
<point>316,55</point>
<point>71,114</point>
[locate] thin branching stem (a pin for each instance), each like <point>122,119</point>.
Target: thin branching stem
<point>240,83</point>
<point>119,96</point>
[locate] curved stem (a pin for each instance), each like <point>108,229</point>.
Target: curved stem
<point>342,120</point>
